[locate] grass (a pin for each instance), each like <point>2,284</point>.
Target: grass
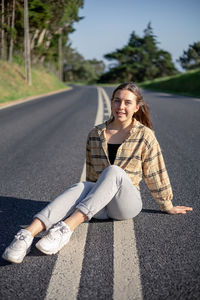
<point>13,84</point>
<point>187,84</point>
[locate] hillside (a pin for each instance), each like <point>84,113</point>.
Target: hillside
<point>187,84</point>
<point>13,85</point>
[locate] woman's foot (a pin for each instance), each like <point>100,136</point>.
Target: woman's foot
<point>19,247</point>
<point>57,237</point>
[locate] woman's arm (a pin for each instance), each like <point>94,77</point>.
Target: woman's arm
<point>157,180</point>
<point>179,210</point>
<point>90,173</point>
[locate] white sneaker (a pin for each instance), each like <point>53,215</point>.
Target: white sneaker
<point>57,237</point>
<point>19,247</point>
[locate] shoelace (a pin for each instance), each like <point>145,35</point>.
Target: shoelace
<point>57,230</point>
<point>20,236</point>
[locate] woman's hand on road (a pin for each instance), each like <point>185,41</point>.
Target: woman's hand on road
<point>179,210</point>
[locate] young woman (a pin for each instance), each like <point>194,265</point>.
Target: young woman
<point>119,152</point>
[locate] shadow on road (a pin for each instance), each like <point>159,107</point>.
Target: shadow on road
<point>14,214</point>
<point>152,211</point>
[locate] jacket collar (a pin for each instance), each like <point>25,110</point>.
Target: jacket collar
<point>102,127</point>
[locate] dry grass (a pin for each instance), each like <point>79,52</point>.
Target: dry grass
<point>13,84</point>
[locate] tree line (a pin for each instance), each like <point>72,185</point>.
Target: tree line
<point>50,23</point>
<point>141,59</point>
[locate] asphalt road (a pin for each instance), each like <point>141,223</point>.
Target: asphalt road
<point>42,152</point>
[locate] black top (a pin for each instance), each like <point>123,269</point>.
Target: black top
<point>112,151</point>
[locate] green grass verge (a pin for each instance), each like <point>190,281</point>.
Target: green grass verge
<point>187,84</point>
<point>13,85</point>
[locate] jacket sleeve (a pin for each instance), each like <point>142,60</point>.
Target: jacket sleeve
<point>90,173</point>
<point>156,176</point>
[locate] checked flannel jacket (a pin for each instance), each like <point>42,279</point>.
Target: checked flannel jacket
<point>139,156</point>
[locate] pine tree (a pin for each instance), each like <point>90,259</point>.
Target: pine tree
<point>191,57</point>
<point>139,60</point>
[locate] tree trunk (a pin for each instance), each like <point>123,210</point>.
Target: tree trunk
<point>47,44</point>
<point>42,58</point>
<point>41,37</point>
<point>2,29</point>
<point>12,29</point>
<point>27,44</point>
<point>35,36</point>
<point>60,58</point>
<point>8,15</point>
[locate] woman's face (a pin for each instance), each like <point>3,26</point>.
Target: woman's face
<point>124,106</point>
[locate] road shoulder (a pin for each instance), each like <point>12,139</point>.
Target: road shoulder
<point>25,99</point>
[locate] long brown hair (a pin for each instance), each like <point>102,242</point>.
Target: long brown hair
<point>142,115</point>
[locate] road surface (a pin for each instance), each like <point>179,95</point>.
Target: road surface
<point>154,256</point>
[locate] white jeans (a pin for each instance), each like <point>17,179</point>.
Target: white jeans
<point>112,196</point>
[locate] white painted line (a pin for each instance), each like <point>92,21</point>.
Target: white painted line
<point>107,99</point>
<point>65,278</point>
<point>83,174</point>
<point>100,110</point>
<point>66,274</point>
<point>127,279</point>
<point>127,282</point>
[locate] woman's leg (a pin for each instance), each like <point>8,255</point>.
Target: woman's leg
<point>126,204</point>
<point>58,209</point>
<point>92,200</point>
<point>114,194</point>
<point>62,206</point>
<point>35,227</point>
<point>75,219</point>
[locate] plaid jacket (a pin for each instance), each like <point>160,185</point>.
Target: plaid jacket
<point>139,155</point>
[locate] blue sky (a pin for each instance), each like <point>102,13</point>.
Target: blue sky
<point>107,25</point>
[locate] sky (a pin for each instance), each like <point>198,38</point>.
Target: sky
<point>108,24</point>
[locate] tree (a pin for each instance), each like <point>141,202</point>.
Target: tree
<point>2,29</point>
<point>76,68</point>
<point>27,44</point>
<point>12,32</point>
<point>50,23</point>
<point>191,57</point>
<point>139,60</point>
